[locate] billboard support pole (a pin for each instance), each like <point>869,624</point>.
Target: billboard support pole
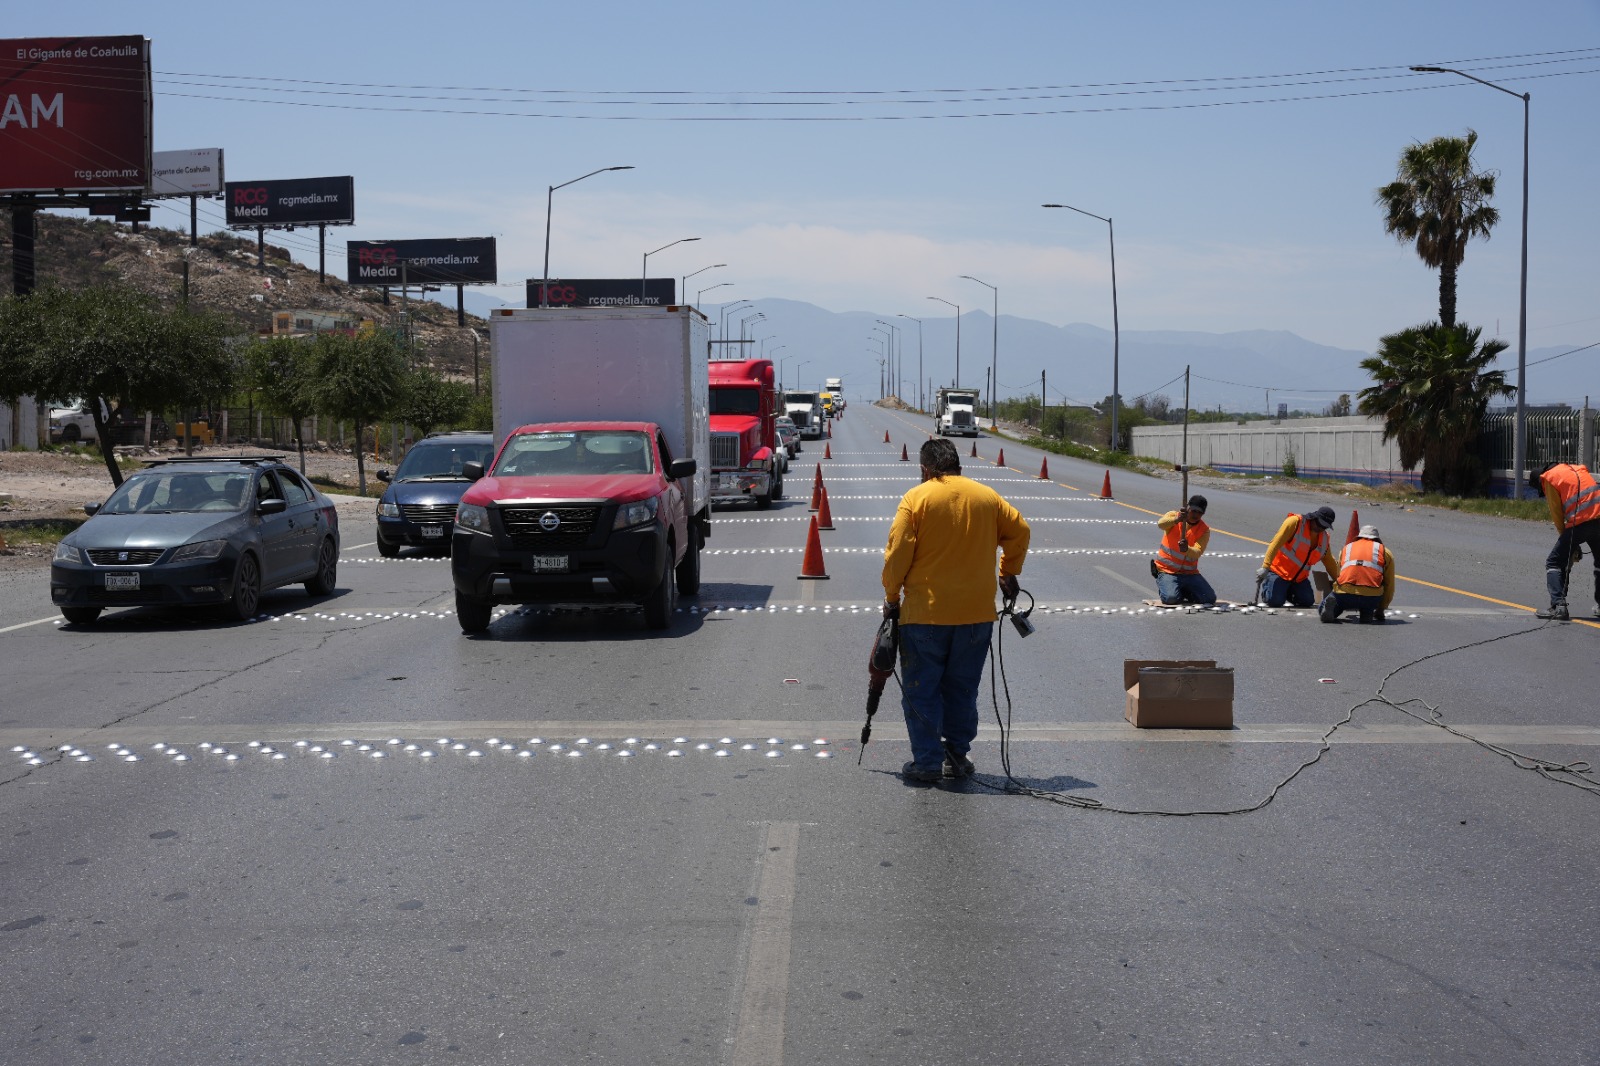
<point>322,253</point>
<point>194,221</point>
<point>461,305</point>
<point>22,235</point>
<point>261,248</point>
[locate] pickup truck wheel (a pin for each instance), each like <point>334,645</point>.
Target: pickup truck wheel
<point>777,487</point>
<point>473,615</point>
<point>658,605</point>
<point>80,616</point>
<point>688,572</point>
<point>70,433</point>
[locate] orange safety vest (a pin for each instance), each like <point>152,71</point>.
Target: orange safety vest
<point>1580,496</point>
<point>1361,563</point>
<point>1170,558</point>
<point>1301,550</point>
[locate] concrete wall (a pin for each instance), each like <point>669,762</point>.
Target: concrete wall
<point>1350,448</point>
<point>19,425</point>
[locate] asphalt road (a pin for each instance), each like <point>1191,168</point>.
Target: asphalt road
<point>1409,898</point>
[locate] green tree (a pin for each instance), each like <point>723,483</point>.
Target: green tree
<point>112,347</point>
<point>1439,202</point>
<point>283,373</point>
<point>359,378</point>
<point>1433,386</point>
<point>1340,407</point>
<point>430,400</point>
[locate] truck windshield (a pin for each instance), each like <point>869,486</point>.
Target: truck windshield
<point>725,401</point>
<point>967,398</point>
<point>577,454</point>
<point>800,397</point>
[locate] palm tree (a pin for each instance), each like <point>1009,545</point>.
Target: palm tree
<point>1439,202</point>
<point>1433,387</point>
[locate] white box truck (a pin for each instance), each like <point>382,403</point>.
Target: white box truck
<point>599,490</point>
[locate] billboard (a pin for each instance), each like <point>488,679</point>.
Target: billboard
<point>189,172</point>
<point>74,114</point>
<point>290,202</point>
<point>604,292</point>
<point>441,261</point>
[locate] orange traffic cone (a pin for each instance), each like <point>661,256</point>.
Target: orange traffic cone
<point>904,457</point>
<point>816,490</point>
<point>1105,487</point>
<point>886,436</point>
<point>1001,459</point>
<point>1044,469</point>
<point>830,430</point>
<point>1355,525</point>
<point>811,566</point>
<point>827,451</point>
<point>825,516</point>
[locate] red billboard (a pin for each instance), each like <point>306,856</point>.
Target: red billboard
<point>74,114</point>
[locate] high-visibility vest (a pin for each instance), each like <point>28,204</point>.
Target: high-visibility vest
<point>1309,543</point>
<point>1170,558</point>
<point>1580,496</point>
<point>1361,563</point>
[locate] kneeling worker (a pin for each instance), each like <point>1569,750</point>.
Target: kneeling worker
<point>1285,572</point>
<point>1366,580</point>
<point>1574,501</point>
<point>1177,562</point>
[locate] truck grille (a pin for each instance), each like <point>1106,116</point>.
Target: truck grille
<point>724,451</point>
<point>526,534</point>
<point>428,513</point>
<point>135,556</point>
<point>800,418</point>
<point>961,418</point>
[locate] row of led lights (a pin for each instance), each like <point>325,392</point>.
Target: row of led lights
<point>773,749</point>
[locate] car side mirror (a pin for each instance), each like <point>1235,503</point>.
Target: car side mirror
<point>681,468</point>
<point>472,471</point>
<point>383,473</point>
<point>272,506</point>
<point>91,509</point>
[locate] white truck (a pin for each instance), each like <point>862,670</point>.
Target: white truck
<point>956,412</point>
<point>600,487</point>
<point>805,408</point>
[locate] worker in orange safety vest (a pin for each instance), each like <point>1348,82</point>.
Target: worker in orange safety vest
<point>1285,572</point>
<point>1574,501</point>
<point>1177,563</point>
<point>1366,580</point>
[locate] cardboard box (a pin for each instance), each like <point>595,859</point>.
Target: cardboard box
<point>1178,694</point>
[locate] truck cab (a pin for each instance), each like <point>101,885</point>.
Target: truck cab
<point>745,463</point>
<point>806,410</point>
<point>955,412</point>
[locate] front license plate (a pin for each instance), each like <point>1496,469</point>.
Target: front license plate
<point>546,564</point>
<point>122,581</point>
<point>433,531</point>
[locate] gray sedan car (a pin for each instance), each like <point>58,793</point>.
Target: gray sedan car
<point>191,532</point>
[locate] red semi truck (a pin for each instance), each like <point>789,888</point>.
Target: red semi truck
<point>744,441</point>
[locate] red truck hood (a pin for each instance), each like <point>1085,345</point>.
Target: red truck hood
<point>618,488</point>
<point>740,424</point>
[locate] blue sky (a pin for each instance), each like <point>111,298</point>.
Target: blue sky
<point>1249,216</point>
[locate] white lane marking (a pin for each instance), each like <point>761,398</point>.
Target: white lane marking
<point>1130,582</point>
<point>353,547</point>
<point>764,992</point>
<point>35,622</point>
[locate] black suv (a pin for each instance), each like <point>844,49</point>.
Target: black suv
<point>419,506</point>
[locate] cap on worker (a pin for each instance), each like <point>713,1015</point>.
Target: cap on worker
<point>1535,475</point>
<point>1368,533</point>
<point>1322,516</point>
<point>1197,503</point>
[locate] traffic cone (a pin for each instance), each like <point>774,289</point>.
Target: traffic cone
<point>816,491</point>
<point>1044,469</point>
<point>811,567</point>
<point>1105,487</point>
<point>825,516</point>
<point>830,430</point>
<point>827,451</point>
<point>1355,525</point>
<point>1001,459</point>
<point>886,436</point>
<point>974,449</point>
<point>904,457</point>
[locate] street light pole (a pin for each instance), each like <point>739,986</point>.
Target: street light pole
<point>707,289</point>
<point>1116,329</point>
<point>1519,432</point>
<point>957,382</point>
<point>644,271</point>
<point>918,321</point>
<point>702,270</point>
<point>994,367</point>
<point>544,282</point>
<point>897,372</point>
<point>722,325</point>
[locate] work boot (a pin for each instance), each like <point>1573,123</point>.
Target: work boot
<point>958,765</point>
<point>1326,610</point>
<point>1597,610</point>
<point>914,774</point>
<point>1558,613</point>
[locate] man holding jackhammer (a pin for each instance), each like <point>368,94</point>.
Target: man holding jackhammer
<point>939,580</point>
<point>1574,501</point>
<point>1177,563</point>
<point>1301,543</point>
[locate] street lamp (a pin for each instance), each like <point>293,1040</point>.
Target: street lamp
<point>722,325</point>
<point>707,289</point>
<point>797,366</point>
<point>994,368</point>
<point>896,353</point>
<point>757,317</point>
<point>1519,432</point>
<point>544,282</point>
<point>957,382</point>
<point>918,321</point>
<point>1116,332</point>
<point>644,271</point>
<point>702,270</point>
<point>888,351</point>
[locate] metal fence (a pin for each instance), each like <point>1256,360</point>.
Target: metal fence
<point>1560,436</point>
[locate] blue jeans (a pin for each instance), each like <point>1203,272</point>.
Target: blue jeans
<point>1275,591</point>
<point>941,668</point>
<point>1366,606</point>
<point>1184,588</point>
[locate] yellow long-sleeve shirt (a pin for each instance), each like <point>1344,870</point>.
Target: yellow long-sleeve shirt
<point>1285,531</point>
<point>1558,510</point>
<point>1387,591</point>
<point>940,564</point>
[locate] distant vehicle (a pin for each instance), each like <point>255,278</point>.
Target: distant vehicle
<point>835,386</point>
<point>419,506</point>
<point>805,408</point>
<point>184,532</point>
<point>789,433</point>
<point>73,424</point>
<point>743,439</point>
<point>955,412</point>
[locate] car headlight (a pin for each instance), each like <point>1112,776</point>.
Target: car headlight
<point>66,553</point>
<point>635,514</point>
<point>204,549</point>
<point>473,517</point>
<point>388,509</point>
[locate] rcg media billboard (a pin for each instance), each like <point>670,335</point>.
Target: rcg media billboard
<point>188,172</point>
<point>603,292</point>
<point>74,114</point>
<point>433,261</point>
<point>291,202</point>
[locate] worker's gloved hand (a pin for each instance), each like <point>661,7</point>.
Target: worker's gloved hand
<point>891,609</point>
<point>1577,554</point>
<point>1261,572</point>
<point>1009,586</point>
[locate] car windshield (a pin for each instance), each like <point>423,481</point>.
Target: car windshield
<point>439,459</point>
<point>735,401</point>
<point>170,491</point>
<point>580,453</point>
